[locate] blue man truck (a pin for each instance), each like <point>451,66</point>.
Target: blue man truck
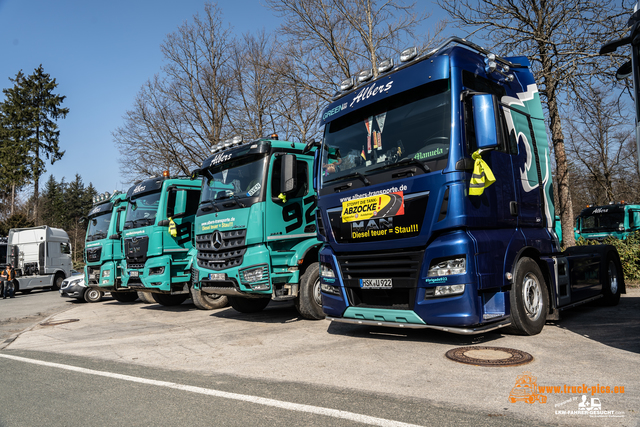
<point>158,238</point>
<point>103,248</point>
<point>613,220</point>
<point>255,229</point>
<point>435,204</point>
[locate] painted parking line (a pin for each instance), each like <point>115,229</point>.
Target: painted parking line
<point>365,419</point>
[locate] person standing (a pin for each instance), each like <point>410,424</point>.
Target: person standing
<point>8,275</point>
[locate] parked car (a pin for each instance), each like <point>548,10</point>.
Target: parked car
<point>74,287</point>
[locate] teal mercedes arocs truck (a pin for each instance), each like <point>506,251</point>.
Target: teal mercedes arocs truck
<point>616,220</point>
<point>255,227</point>
<point>103,247</point>
<point>158,238</point>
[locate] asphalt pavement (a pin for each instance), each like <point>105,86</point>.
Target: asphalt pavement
<point>392,375</point>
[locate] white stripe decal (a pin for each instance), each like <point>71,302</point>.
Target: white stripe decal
<point>365,419</point>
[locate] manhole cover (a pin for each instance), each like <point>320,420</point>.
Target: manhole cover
<point>59,322</point>
<point>489,356</point>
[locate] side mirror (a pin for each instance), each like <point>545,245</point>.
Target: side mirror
<point>195,173</point>
<point>288,174</point>
<point>310,145</point>
<point>485,120</point>
<point>163,223</point>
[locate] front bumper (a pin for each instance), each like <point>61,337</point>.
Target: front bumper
<point>73,291</point>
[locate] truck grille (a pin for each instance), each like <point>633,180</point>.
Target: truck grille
<point>402,267</point>
<point>93,254</point>
<point>136,249</point>
<point>221,249</point>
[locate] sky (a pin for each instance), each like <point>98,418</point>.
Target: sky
<point>101,54</point>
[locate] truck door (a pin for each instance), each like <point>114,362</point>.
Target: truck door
<point>295,217</point>
<point>182,205</point>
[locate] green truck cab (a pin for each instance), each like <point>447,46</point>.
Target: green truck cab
<point>255,229</point>
<point>599,222</point>
<point>158,238</point>
<point>103,246</point>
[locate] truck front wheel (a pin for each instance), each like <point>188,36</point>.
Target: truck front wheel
<point>169,300</point>
<point>57,282</point>
<point>248,305</point>
<point>146,297</point>
<point>206,301</point>
<point>124,296</point>
<point>529,299</point>
<point>309,301</point>
<point>611,279</point>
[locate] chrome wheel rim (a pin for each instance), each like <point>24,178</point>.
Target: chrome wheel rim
<point>613,277</point>
<point>317,296</point>
<point>532,296</point>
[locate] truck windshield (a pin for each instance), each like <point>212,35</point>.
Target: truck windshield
<point>238,179</point>
<point>142,211</point>
<point>406,128</point>
<point>98,227</point>
<point>610,221</point>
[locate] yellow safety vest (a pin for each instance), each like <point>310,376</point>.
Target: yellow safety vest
<point>482,177</point>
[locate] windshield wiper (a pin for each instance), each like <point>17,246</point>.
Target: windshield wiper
<point>233,197</point>
<point>403,162</point>
<point>351,175</point>
<point>208,202</point>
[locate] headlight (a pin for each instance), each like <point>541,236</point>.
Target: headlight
<point>328,289</point>
<point>76,282</point>
<point>252,275</point>
<point>106,273</point>
<point>156,270</point>
<point>442,291</point>
<point>326,271</point>
<point>448,267</point>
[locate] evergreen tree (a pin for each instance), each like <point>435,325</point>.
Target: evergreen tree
<point>30,111</point>
<point>17,220</point>
<point>14,171</point>
<point>53,203</point>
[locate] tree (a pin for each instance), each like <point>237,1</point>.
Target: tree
<point>597,141</point>
<point>30,113</point>
<point>17,220</point>
<point>331,40</point>
<point>179,114</point>
<point>561,40</point>
<point>14,170</point>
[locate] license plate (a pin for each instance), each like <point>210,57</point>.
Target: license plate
<point>376,283</point>
<point>217,276</point>
<point>133,274</point>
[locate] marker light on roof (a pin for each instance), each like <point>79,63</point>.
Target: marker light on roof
<point>408,54</point>
<point>385,65</point>
<point>236,140</point>
<point>365,75</point>
<point>347,84</point>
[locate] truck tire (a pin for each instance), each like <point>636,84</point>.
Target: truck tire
<point>57,281</point>
<point>611,279</point>
<point>205,301</point>
<point>93,295</point>
<point>169,300</point>
<point>146,297</point>
<point>124,296</point>
<point>529,299</point>
<point>248,305</point>
<point>309,301</point>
